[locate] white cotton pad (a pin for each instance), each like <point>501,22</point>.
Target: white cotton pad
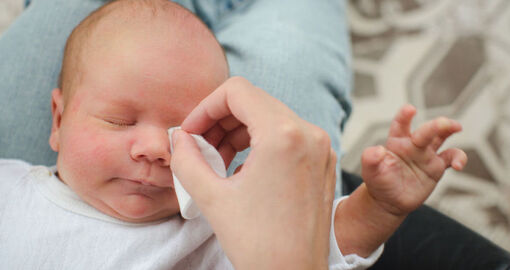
<point>189,210</point>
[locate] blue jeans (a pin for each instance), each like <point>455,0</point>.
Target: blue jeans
<point>297,50</point>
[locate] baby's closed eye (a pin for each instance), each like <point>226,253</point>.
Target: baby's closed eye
<point>119,122</point>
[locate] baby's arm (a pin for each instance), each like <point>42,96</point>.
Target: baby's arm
<point>397,179</point>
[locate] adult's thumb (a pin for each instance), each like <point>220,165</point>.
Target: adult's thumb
<point>191,168</point>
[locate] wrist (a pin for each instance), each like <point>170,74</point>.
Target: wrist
<point>362,224</point>
<point>375,211</point>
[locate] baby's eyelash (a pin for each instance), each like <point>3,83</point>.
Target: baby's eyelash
<point>120,123</point>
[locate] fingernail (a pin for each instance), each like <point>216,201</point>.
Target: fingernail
<point>443,123</point>
<point>457,125</point>
<point>459,164</point>
<point>409,107</point>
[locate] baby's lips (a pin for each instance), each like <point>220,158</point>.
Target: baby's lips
<point>163,183</point>
<point>143,182</point>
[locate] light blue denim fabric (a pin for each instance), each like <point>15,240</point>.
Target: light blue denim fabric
<point>297,50</point>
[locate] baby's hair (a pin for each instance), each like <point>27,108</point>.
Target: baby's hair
<point>120,11</point>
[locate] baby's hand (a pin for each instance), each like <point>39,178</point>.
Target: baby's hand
<point>401,176</point>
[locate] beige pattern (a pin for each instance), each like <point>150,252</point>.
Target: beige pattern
<point>446,57</point>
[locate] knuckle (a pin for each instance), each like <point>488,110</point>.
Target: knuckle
<point>292,133</point>
<point>321,137</point>
<point>291,136</point>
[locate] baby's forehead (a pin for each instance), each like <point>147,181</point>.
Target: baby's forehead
<point>108,29</point>
<point>149,29</point>
<point>158,16</point>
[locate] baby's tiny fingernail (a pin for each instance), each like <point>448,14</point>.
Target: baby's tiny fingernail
<point>443,123</point>
<point>457,125</point>
<point>458,165</point>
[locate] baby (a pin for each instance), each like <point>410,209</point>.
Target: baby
<point>131,70</point>
<point>129,73</point>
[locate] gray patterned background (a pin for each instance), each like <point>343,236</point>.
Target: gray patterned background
<point>446,57</point>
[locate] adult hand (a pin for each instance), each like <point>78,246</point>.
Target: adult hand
<point>275,211</point>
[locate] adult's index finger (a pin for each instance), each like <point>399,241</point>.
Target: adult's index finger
<point>236,96</point>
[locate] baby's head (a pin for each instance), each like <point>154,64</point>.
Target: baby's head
<point>131,70</point>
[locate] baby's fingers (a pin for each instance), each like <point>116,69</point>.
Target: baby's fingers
<point>401,124</point>
<point>435,132</point>
<point>370,160</point>
<point>454,157</point>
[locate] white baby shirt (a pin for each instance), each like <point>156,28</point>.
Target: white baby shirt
<point>45,225</point>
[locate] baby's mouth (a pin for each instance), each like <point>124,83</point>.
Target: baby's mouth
<point>146,183</point>
<point>140,187</point>
<point>143,182</point>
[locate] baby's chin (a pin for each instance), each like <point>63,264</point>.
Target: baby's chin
<point>138,208</point>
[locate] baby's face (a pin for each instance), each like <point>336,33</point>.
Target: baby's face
<point>112,139</point>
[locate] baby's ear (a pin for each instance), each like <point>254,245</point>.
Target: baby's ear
<point>57,108</point>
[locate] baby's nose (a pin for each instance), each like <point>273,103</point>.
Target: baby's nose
<point>153,146</point>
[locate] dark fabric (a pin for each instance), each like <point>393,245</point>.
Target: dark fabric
<point>430,240</point>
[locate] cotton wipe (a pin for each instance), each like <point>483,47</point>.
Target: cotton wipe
<point>189,210</point>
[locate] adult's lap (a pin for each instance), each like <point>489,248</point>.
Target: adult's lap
<point>297,50</point>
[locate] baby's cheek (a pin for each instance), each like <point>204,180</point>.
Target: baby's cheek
<point>91,150</point>
<point>107,149</point>
<point>100,150</point>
